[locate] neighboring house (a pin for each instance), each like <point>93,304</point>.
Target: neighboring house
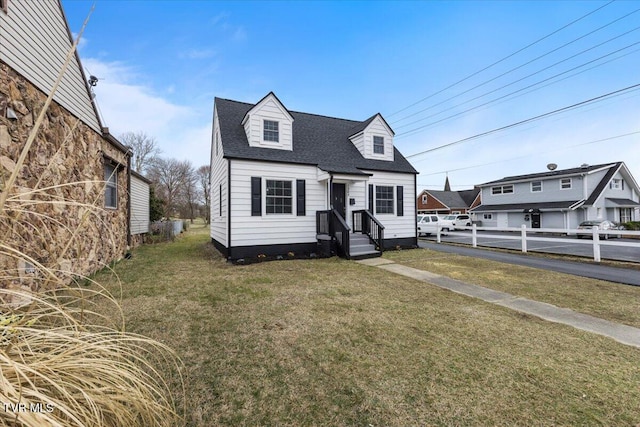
<point>139,214</point>
<point>71,146</point>
<point>447,202</point>
<point>283,181</point>
<point>561,198</point>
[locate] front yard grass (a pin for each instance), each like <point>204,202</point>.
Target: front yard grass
<point>333,342</point>
<point>612,301</point>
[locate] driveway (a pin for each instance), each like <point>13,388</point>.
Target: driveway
<point>583,269</point>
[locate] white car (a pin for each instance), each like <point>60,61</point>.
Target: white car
<point>428,224</point>
<point>452,222</point>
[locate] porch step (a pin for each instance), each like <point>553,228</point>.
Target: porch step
<point>361,248</point>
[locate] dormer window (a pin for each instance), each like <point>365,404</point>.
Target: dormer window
<point>271,131</point>
<point>378,145</point>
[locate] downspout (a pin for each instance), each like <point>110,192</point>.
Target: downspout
<point>129,154</point>
<point>229,209</point>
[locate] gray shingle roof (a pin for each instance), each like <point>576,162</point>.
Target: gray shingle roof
<point>450,199</point>
<point>555,173</point>
<point>317,140</point>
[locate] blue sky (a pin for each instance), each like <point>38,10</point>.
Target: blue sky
<point>161,63</point>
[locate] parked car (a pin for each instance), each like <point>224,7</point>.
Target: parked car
<point>428,224</point>
<point>602,225</point>
<point>453,222</point>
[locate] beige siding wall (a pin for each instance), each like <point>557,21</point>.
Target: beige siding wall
<point>139,206</point>
<point>272,229</point>
<point>34,41</point>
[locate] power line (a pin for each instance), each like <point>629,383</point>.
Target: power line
<point>503,59</point>
<point>538,117</point>
<point>528,156</point>
<point>523,65</point>
<point>413,131</point>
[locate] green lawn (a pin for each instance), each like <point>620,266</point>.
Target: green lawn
<point>333,342</point>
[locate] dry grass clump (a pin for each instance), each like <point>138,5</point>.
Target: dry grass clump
<point>60,367</point>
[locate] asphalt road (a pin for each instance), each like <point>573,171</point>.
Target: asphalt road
<point>583,269</point>
<point>561,245</point>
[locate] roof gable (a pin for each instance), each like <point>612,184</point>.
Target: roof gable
<point>317,140</point>
<point>268,97</point>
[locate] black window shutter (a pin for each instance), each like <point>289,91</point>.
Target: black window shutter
<point>256,196</point>
<point>371,198</point>
<point>400,191</point>
<point>300,196</point>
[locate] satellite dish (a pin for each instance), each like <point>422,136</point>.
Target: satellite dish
<point>552,166</point>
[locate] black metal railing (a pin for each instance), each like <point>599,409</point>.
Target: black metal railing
<point>323,223</point>
<point>365,222</point>
<point>331,223</point>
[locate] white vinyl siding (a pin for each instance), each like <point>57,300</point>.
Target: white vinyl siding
<point>35,42</point>
<point>268,111</point>
<point>273,229</point>
<point>364,141</point>
<point>139,206</point>
<point>218,191</point>
<point>397,226</point>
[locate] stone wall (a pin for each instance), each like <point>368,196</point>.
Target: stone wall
<point>55,213</point>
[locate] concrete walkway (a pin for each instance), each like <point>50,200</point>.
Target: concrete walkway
<point>625,334</point>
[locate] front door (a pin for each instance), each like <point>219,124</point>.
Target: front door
<point>338,198</point>
<point>535,220</point>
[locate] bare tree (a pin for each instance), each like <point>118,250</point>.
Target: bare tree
<point>169,177</point>
<point>204,175</point>
<point>145,149</point>
<point>190,189</point>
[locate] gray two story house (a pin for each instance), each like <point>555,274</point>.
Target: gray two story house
<point>560,198</point>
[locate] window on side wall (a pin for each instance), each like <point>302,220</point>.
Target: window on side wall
<point>502,189</point>
<point>271,132</point>
<point>378,145</point>
<point>487,216</point>
<point>617,184</point>
<point>111,186</point>
<point>384,199</point>
<point>279,198</point>
<point>536,186</point>
<point>424,198</point>
<point>626,215</point>
<point>565,184</point>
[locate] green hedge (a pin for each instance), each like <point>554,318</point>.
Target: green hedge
<point>632,225</point>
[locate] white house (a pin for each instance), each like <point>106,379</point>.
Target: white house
<point>561,198</point>
<point>289,182</point>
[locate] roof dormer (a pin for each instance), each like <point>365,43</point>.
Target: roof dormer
<point>374,139</point>
<point>269,125</point>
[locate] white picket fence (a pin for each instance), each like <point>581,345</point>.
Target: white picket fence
<point>525,234</point>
